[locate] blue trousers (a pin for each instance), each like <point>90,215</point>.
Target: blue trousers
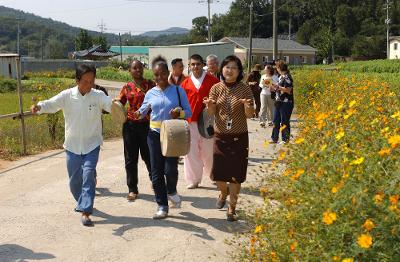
<point>81,172</point>
<point>282,114</point>
<point>164,171</point>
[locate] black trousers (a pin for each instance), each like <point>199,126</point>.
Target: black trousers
<point>135,140</point>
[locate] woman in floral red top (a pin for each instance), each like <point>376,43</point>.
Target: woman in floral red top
<point>135,130</point>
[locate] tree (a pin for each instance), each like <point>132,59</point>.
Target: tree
<point>84,40</point>
<point>199,32</point>
<point>101,40</point>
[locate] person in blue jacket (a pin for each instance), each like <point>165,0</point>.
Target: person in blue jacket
<point>164,103</point>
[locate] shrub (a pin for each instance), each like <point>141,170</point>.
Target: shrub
<point>339,194</point>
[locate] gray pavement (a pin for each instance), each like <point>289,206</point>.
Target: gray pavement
<point>38,222</point>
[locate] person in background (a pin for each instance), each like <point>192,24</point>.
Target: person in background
<point>165,103</point>
<point>135,131</point>
<point>253,80</point>
<point>176,76</point>
<point>231,101</point>
<point>198,161</point>
<point>284,104</point>
<point>267,103</point>
<point>212,64</point>
<point>82,106</point>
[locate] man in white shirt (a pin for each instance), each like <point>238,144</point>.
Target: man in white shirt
<point>82,106</point>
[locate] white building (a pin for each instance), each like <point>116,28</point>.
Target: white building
<point>8,65</point>
<point>219,49</point>
<point>394,47</point>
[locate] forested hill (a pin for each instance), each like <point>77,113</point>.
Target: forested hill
<point>354,28</point>
<point>58,38</point>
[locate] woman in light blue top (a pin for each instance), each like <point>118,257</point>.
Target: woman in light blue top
<point>165,103</point>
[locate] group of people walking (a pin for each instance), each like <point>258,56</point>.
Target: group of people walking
<point>209,89</point>
<point>275,102</point>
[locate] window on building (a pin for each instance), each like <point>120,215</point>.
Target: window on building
<point>395,46</point>
<point>303,59</point>
<point>286,59</point>
<point>265,59</point>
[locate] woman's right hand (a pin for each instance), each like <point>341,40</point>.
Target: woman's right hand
<point>210,103</point>
<point>35,109</point>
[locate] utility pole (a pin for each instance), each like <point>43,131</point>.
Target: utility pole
<point>18,32</point>
<point>102,26</point>
<point>120,45</point>
<point>290,28</point>
<point>275,32</point>
<point>209,2</point>
<point>41,45</point>
<point>249,57</point>
<point>387,21</point>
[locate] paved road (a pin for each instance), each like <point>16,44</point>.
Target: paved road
<point>38,222</point>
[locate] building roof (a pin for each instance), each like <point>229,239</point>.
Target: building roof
<point>267,44</point>
<point>394,38</point>
<point>8,55</point>
<point>94,52</point>
<point>195,44</point>
<point>140,50</point>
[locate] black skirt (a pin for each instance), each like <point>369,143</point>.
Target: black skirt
<point>230,157</point>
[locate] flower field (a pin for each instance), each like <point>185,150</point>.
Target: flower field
<point>338,193</point>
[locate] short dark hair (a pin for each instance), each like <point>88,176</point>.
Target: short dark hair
<point>197,57</point>
<point>134,61</point>
<point>176,60</point>
<point>159,61</point>
<point>270,69</point>
<point>84,69</point>
<point>232,58</point>
<point>283,67</point>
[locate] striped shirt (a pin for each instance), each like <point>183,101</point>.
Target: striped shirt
<point>230,108</point>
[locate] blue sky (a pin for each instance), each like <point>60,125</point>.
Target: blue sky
<point>135,16</point>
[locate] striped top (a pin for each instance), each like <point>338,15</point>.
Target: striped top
<point>230,108</point>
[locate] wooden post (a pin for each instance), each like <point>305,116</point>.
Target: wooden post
<point>21,106</point>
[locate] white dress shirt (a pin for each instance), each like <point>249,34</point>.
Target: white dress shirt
<point>198,81</point>
<point>82,114</point>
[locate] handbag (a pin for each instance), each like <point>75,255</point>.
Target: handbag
<point>205,124</point>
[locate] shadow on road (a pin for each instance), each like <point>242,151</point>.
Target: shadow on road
<point>129,223</point>
<point>12,252</point>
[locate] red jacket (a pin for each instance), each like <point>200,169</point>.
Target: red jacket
<point>196,96</point>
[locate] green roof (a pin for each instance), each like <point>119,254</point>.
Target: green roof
<point>143,50</point>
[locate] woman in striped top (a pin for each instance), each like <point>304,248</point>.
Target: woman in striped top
<point>231,101</point>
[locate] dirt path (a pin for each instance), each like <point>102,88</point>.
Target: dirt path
<point>38,222</point>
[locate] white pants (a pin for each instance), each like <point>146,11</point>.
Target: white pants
<point>267,108</point>
<point>199,160</point>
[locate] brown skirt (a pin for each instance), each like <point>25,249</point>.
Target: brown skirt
<point>230,158</point>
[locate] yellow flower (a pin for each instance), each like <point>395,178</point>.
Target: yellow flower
<point>369,225</point>
<point>299,172</point>
<point>323,147</point>
<point>287,172</point>
<point>357,161</point>
<point>282,155</point>
<point>394,141</point>
<point>340,135</point>
<point>394,199</point>
<point>364,241</point>
<point>348,260</point>
<point>329,217</point>
<point>299,140</point>
<point>258,229</point>
<point>396,115</point>
<point>378,198</point>
<point>352,103</point>
<point>384,151</point>
<point>293,246</point>
<point>335,258</point>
